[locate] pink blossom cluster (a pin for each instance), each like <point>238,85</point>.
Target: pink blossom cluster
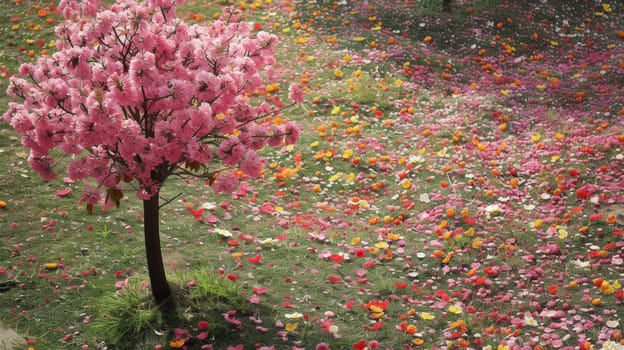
<point>133,93</point>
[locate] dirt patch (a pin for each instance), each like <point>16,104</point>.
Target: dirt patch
<point>9,340</point>
<point>174,260</point>
<point>615,210</point>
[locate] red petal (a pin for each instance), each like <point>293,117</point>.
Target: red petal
<point>400,285</point>
<point>376,326</point>
<point>255,260</point>
<point>369,264</point>
<point>334,279</point>
<point>360,345</point>
<point>64,192</point>
<point>259,290</point>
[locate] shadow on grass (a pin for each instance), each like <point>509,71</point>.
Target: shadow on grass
<point>205,309</point>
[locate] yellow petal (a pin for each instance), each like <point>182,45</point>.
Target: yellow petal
<point>347,154</point>
<point>455,309</point>
<point>375,309</point>
<point>51,266</point>
<point>381,245</point>
<point>427,316</point>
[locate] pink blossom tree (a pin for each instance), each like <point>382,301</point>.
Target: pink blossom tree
<point>134,95</point>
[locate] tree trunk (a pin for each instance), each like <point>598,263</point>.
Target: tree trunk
<point>446,5</point>
<point>160,287</point>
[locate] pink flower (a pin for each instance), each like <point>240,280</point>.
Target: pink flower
<point>21,118</point>
<point>63,192</point>
<point>121,284</point>
<point>267,208</point>
<point>277,137</point>
<point>322,346</point>
<point>295,93</point>
<point>91,195</point>
<point>230,317</point>
<point>253,164</point>
<point>259,290</point>
<point>254,299</point>
<point>42,165</point>
<point>78,169</point>
<point>292,132</point>
<point>231,151</point>
<point>225,183</point>
<point>256,137</point>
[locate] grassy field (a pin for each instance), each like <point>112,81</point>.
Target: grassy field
<point>458,184</point>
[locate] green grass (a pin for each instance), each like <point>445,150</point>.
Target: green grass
<point>127,318</point>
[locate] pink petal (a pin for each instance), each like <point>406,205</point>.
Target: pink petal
<point>64,192</point>
<point>259,290</point>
